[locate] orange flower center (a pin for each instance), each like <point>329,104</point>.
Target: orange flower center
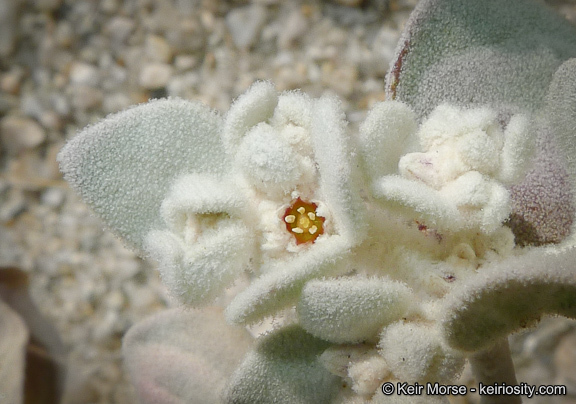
<point>302,221</point>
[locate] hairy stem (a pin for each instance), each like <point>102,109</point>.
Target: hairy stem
<point>494,365</point>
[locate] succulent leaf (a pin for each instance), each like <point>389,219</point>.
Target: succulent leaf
<point>386,135</point>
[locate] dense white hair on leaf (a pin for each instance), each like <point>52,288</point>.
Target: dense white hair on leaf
<point>268,161</point>
<point>197,273</point>
<point>561,111</point>
<point>124,165</point>
<point>509,296</point>
<point>478,53</point>
<point>518,150</point>
<point>293,108</point>
<point>447,122</point>
<point>407,196</point>
<point>339,182</point>
<point>415,352</point>
<point>206,244</point>
<point>350,310</point>
<point>359,364</point>
<point>283,368</point>
<point>386,134</point>
<point>283,280</point>
<point>485,203</point>
<point>182,356</point>
<point>192,195</point>
<point>254,106</point>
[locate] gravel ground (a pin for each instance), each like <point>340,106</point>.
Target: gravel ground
<point>65,64</point>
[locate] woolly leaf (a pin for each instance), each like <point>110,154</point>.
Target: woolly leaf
<point>255,105</point>
<point>124,165</point>
<point>199,272</point>
<point>561,112</point>
<point>348,310</point>
<point>282,284</point>
<point>284,368</point>
<point>415,352</point>
<point>407,196</point>
<point>206,245</point>
<point>543,208</point>
<point>386,135</point>
<point>509,297</point>
<point>479,52</point>
<point>177,357</point>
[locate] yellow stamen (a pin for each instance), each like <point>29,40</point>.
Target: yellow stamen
<point>303,222</point>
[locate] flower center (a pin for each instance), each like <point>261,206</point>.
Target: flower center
<point>302,221</point>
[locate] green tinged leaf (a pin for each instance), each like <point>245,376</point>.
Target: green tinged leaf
<point>124,165</point>
<point>284,368</point>
<point>466,52</point>
<point>509,297</point>
<point>183,356</point>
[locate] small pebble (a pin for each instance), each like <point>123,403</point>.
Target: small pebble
<point>155,75</point>
<point>244,24</point>
<point>84,74</point>
<point>157,49</point>
<point>19,133</point>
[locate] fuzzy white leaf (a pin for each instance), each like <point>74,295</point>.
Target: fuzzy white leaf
<point>510,296</point>
<point>408,197</point>
<point>388,132</point>
<point>415,352</point>
<point>183,356</point>
<point>124,165</point>
<point>194,195</point>
<point>207,245</point>
<point>484,204</point>
<point>561,112</point>
<point>518,150</point>
<point>254,106</point>
<point>269,161</point>
<point>284,368</point>
<point>283,281</point>
<point>349,310</point>
<point>477,53</point>
<point>197,273</point>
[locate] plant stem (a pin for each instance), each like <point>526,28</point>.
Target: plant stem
<point>494,365</point>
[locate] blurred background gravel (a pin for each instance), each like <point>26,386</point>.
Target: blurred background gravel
<point>65,64</point>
